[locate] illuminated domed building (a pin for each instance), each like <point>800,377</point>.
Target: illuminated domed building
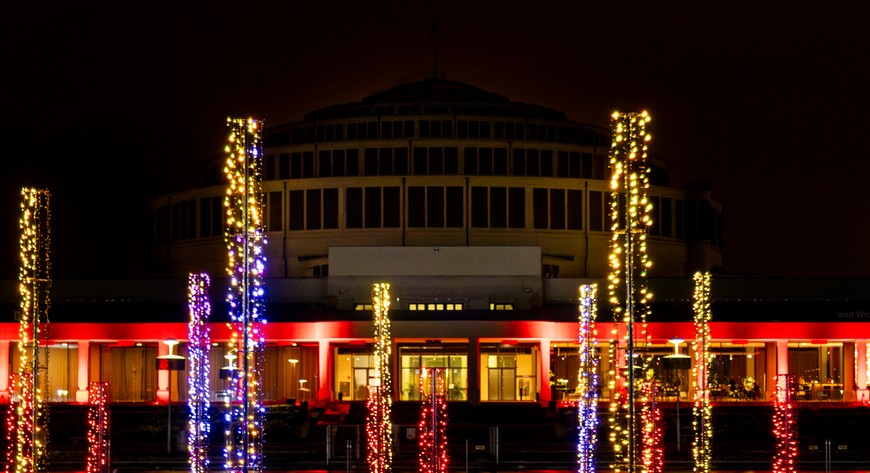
<point>484,215</point>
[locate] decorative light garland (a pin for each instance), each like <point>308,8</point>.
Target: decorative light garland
<point>629,296</point>
<point>785,425</point>
<point>245,239</point>
<point>432,439</point>
<point>11,424</point>
<point>380,400</point>
<point>199,389</point>
<point>702,445</point>
<point>587,405</point>
<point>34,285</point>
<point>98,427</point>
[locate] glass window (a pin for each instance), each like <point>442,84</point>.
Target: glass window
<point>498,207</point>
<point>330,208</point>
<point>353,207</point>
<point>479,207</point>
<point>509,372</point>
<point>517,207</point>
<point>575,209</point>
<point>372,207</point>
<point>416,207</point>
<point>312,209</point>
<point>297,210</point>
<point>353,367</point>
<point>452,358</point>
<point>274,211</point>
<point>391,207</point>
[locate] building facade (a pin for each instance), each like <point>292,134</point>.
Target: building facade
<point>485,216</point>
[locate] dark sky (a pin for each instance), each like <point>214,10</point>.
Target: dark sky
<point>108,105</point>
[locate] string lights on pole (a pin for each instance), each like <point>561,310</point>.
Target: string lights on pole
<point>98,428</point>
<point>702,446</point>
<point>199,388</point>
<point>379,424</point>
<point>785,425</point>
<point>245,238</point>
<point>432,439</point>
<point>587,405</point>
<point>629,296</point>
<point>31,414</point>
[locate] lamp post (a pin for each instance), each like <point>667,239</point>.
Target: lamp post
<point>677,362</point>
<point>170,363</point>
<point>293,362</point>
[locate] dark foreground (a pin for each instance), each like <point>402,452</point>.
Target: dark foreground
<point>487,437</point>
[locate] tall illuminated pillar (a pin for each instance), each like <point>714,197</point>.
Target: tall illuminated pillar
<point>199,388</point>
<point>702,449</point>
<point>34,285</point>
<point>587,405</point>
<point>245,238</point>
<point>432,439</point>
<point>379,425</point>
<point>634,434</point>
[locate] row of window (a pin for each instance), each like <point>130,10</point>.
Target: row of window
<point>431,128</point>
<point>437,207</point>
<point>437,160</point>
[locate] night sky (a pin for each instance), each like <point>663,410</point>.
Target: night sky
<point>109,105</point>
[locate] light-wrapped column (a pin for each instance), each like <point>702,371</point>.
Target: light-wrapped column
<point>630,212</point>
<point>199,388</point>
<point>702,445</point>
<point>34,285</point>
<point>587,405</point>
<point>245,238</point>
<point>432,440</point>
<point>380,400</point>
<point>98,428</point>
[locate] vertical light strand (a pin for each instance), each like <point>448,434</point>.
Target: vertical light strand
<point>702,445</point>
<point>785,425</point>
<point>199,389</point>
<point>380,400</point>
<point>11,426</point>
<point>432,440</point>
<point>34,287</point>
<point>245,238</point>
<point>98,428</point>
<point>587,405</point>
<point>629,296</point>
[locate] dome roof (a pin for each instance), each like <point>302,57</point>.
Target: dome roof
<point>442,96</point>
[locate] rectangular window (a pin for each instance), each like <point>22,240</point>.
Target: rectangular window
<point>372,207</point>
<point>416,207</point>
<point>370,158</point>
<point>575,210</point>
<point>586,165</point>
<point>485,161</point>
<point>498,207</point>
<point>435,207</point>
<point>400,161</point>
<point>499,162</point>
<point>665,216</point>
<point>269,168</point>
<point>385,160</point>
<point>330,208</point>
<point>596,211</point>
<point>546,163</point>
<point>557,209</point>
<point>308,164</point>
<point>284,166</point>
<point>454,206</point>
<point>325,163</point>
<point>533,162</point>
<point>391,207</point>
<point>352,162</point>
<point>479,207</point>
<point>451,160</point>
<point>338,163</point>
<point>211,217</point>
<point>470,158</point>
<point>519,162</point>
<point>540,208</point>
<point>274,211</point>
<point>420,158</point>
<point>297,210</point>
<point>353,207</point>
<point>312,209</point>
<point>678,220</point>
<point>517,207</point>
<point>296,166</point>
<point>654,228</point>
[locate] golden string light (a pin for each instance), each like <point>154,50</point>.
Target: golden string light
<point>245,238</point>
<point>379,425</point>
<point>629,296</point>
<point>34,285</point>
<point>702,449</point>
